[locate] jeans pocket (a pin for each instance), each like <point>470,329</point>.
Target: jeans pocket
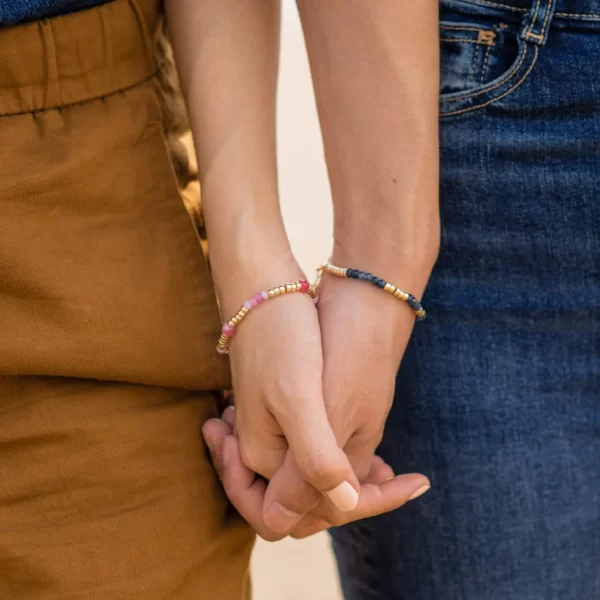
<point>480,64</point>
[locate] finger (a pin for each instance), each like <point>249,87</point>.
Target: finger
<point>389,495</point>
<point>319,460</point>
<point>380,471</point>
<point>311,524</point>
<point>214,432</point>
<point>229,416</point>
<point>245,491</point>
<point>288,498</point>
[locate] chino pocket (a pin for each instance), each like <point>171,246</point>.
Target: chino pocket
<point>480,64</point>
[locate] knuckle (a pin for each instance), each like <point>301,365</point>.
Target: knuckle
<point>251,456</point>
<point>317,468</point>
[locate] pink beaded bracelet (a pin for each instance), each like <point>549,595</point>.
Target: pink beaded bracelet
<point>229,327</point>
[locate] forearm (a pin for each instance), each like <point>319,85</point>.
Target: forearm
<point>375,70</point>
<point>227,56</point>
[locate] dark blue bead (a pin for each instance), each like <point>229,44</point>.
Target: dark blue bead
<point>380,283</point>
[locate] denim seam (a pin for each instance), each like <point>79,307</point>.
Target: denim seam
<point>578,15</point>
<point>563,15</point>
<point>506,79</point>
<point>534,19</point>
<point>466,40</point>
<point>464,27</point>
<point>485,64</point>
<point>542,34</point>
<point>492,100</point>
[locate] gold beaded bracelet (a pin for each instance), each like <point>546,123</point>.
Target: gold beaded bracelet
<point>377,282</point>
<point>229,327</point>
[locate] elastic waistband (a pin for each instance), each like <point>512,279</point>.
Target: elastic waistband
<point>77,57</point>
<point>585,10</point>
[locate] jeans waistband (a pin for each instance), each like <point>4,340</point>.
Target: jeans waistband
<point>585,10</point>
<point>77,57</point>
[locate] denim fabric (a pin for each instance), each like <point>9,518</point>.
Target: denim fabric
<point>17,11</point>
<point>498,395</point>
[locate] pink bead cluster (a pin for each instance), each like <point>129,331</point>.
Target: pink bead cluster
<point>229,327</point>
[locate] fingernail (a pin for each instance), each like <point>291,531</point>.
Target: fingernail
<point>420,492</point>
<point>344,497</point>
<point>280,519</point>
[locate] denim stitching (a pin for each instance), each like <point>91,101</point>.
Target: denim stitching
<point>579,15</point>
<point>534,18</point>
<point>463,27</point>
<point>485,64</point>
<point>558,14</point>
<point>466,40</point>
<point>500,83</point>
<point>471,108</point>
<point>548,11</point>
<point>498,5</point>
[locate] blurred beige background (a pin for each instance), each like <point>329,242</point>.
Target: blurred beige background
<point>299,570</point>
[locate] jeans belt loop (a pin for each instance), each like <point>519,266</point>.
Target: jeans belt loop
<point>538,20</point>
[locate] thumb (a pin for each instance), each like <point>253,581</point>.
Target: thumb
<point>320,461</point>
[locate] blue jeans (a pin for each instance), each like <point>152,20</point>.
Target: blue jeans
<point>498,396</point>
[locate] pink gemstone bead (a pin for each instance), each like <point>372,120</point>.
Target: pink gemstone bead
<point>254,301</point>
<point>258,298</point>
<point>264,295</point>
<point>248,304</point>
<point>304,286</point>
<point>228,330</point>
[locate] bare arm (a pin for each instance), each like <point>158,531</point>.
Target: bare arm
<point>226,51</point>
<point>227,56</point>
<point>375,71</point>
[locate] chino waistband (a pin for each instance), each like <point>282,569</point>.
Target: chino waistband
<point>585,10</point>
<point>77,57</point>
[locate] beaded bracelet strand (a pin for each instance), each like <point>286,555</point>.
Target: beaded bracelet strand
<point>377,282</point>
<point>229,327</point>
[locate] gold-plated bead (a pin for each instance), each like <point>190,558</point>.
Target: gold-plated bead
<point>387,288</point>
<point>282,289</point>
<point>231,323</point>
<point>271,293</point>
<point>392,289</point>
<point>345,273</point>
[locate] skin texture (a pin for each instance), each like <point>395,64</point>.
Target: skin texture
<point>313,388</point>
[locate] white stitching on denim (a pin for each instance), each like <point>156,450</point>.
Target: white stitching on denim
<point>507,78</point>
<point>466,40</point>
<point>578,15</point>
<point>562,15</point>
<point>485,64</point>
<point>534,18</point>
<point>498,5</point>
<point>510,91</point>
<point>465,27</point>
<point>549,9</point>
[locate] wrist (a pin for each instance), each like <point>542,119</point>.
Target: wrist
<point>404,261</point>
<point>239,276</point>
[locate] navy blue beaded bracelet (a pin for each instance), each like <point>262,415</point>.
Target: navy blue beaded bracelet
<point>377,282</point>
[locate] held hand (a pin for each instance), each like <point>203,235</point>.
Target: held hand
<point>380,491</point>
<point>364,334</point>
<point>277,368</point>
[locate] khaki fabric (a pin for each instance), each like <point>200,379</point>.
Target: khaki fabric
<point>107,355</point>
